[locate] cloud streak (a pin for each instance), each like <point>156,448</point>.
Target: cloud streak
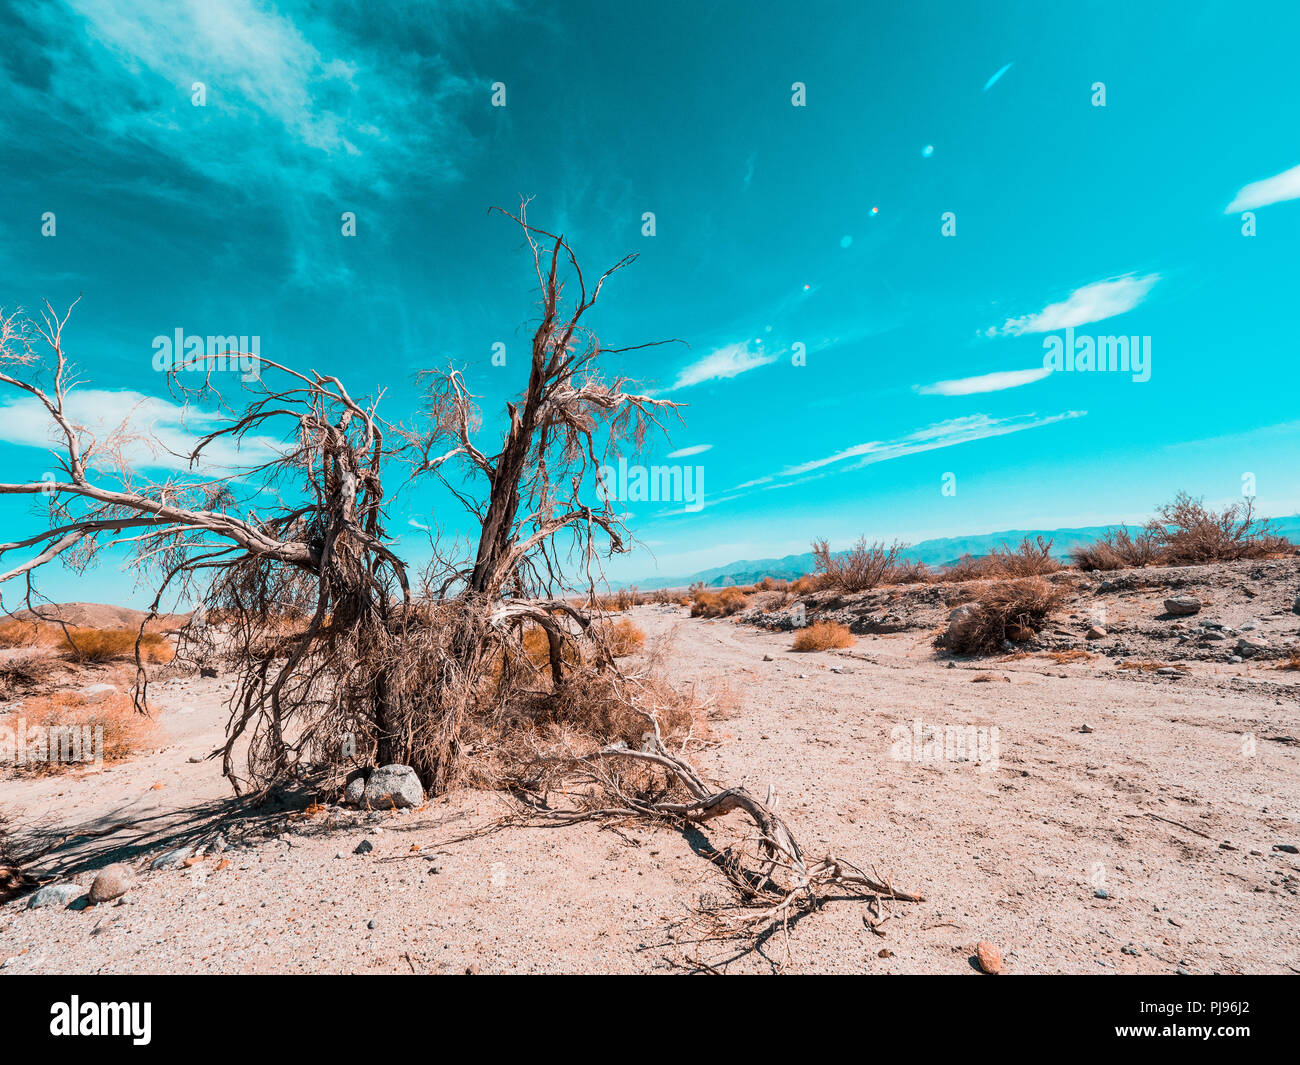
<point>1278,188</point>
<point>990,382</point>
<point>1091,303</point>
<point>945,434</point>
<point>723,364</point>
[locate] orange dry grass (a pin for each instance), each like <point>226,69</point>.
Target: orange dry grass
<point>1077,654</point>
<point>822,636</point>
<point>125,730</point>
<point>105,645</point>
<point>1143,665</point>
<point>720,604</point>
<point>19,633</point>
<point>623,637</point>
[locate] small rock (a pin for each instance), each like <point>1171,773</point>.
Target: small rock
<point>1129,949</point>
<point>364,847</point>
<point>1288,848</point>
<point>1250,645</point>
<point>55,895</point>
<point>768,658</point>
<point>1101,893</point>
<point>988,957</point>
<point>170,859</point>
<point>1095,632</point>
<point>112,882</point>
<point>372,923</point>
<point>473,970</point>
<point>1181,606</point>
<point>207,671</point>
<point>1235,659</point>
<point>962,621</point>
<point>1084,728</point>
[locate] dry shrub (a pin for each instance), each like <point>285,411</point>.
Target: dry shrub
<point>21,673</point>
<point>863,566</point>
<point>822,636</point>
<point>1019,605</point>
<point>125,730</point>
<point>1187,531</point>
<point>1031,558</point>
<point>966,568</point>
<point>16,632</point>
<point>1077,654</point>
<point>719,604</point>
<point>622,637</point>
<point>1292,660</point>
<point>1117,549</point>
<point>805,585</point>
<point>105,645</point>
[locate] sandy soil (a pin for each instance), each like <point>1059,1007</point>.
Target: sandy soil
<point>1143,845</point>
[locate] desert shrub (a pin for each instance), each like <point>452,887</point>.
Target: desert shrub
<point>720,604</point>
<point>805,585</point>
<point>1187,531</point>
<point>822,636</point>
<point>21,673</point>
<point>105,645</point>
<point>622,637</point>
<point>967,568</point>
<point>1116,549</point>
<point>1005,609</point>
<point>863,566</point>
<point>29,633</point>
<point>1031,558</point>
<point>125,730</point>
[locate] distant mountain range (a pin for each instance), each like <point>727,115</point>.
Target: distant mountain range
<point>940,552</point>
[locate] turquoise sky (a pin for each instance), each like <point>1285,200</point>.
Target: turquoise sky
<point>778,229</point>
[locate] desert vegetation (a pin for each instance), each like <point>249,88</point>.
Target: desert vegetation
<point>340,653</point>
<point>1186,532</point>
<point>1014,609</point>
<point>823,636</point>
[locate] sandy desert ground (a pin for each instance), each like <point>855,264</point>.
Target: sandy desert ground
<point>1148,843</point>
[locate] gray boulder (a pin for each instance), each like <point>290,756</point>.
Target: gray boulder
<point>1182,606</point>
<point>394,786</point>
<point>55,895</point>
<point>172,859</point>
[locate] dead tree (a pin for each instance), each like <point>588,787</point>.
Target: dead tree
<point>306,602</point>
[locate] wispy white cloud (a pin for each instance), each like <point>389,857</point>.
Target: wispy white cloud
<point>989,382</point>
<point>723,364</point>
<point>159,432</point>
<point>1280,187</point>
<point>1091,303</point>
<point>687,452</point>
<point>944,434</point>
